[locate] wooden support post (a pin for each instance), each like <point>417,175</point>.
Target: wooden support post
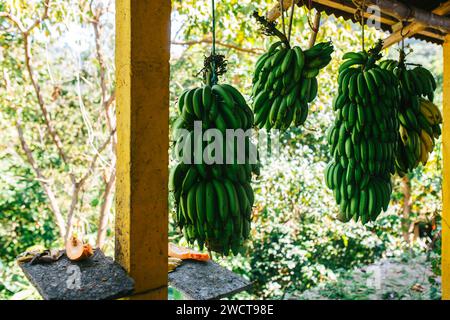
<point>446,176</point>
<point>142,64</point>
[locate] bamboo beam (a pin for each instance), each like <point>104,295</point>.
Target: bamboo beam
<point>142,72</point>
<point>403,12</point>
<point>340,5</point>
<point>275,12</point>
<point>446,176</point>
<point>391,10</point>
<point>415,27</point>
<point>431,34</point>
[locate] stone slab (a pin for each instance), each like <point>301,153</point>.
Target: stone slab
<point>97,278</point>
<point>206,281</point>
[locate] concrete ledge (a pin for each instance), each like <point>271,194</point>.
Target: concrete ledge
<point>97,278</point>
<point>206,281</point>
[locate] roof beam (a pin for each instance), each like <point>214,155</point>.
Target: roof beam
<point>431,34</point>
<point>392,12</point>
<point>403,12</point>
<point>416,27</point>
<point>341,5</point>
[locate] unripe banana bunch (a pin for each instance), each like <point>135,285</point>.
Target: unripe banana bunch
<point>417,81</point>
<point>219,106</point>
<point>363,139</point>
<point>419,118</point>
<point>213,201</point>
<point>285,82</point>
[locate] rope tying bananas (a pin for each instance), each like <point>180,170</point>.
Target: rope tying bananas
<point>419,117</point>
<point>284,81</point>
<point>363,139</point>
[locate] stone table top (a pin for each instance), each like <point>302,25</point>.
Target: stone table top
<point>97,278</point>
<point>206,280</point>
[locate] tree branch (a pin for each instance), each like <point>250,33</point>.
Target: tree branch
<point>315,31</point>
<point>95,158</point>
<point>78,185</point>
<point>37,22</point>
<point>406,219</point>
<point>52,131</point>
<point>219,43</point>
<point>73,203</point>
<point>106,102</point>
<point>40,177</point>
<point>53,134</point>
<point>15,20</point>
<point>105,209</point>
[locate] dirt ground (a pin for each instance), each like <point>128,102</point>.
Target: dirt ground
<point>387,279</point>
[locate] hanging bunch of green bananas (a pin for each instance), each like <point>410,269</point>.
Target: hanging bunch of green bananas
<point>363,139</point>
<point>220,106</point>
<point>416,81</point>
<point>419,118</point>
<point>285,82</point>
<point>213,201</point>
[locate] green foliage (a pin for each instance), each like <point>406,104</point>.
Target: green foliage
<point>25,221</point>
<point>296,242</point>
<point>64,63</point>
<point>345,288</point>
<point>401,278</point>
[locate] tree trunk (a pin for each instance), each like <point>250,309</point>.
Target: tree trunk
<point>406,221</point>
<point>105,210</point>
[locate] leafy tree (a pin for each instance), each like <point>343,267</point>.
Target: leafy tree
<point>296,241</point>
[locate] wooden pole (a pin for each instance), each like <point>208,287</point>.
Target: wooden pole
<point>414,27</point>
<point>142,64</point>
<point>446,176</point>
<point>404,12</point>
<point>391,7</point>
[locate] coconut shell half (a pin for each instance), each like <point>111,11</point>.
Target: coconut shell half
<point>76,250</point>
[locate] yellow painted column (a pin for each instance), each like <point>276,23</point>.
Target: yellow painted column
<point>446,176</point>
<point>142,72</point>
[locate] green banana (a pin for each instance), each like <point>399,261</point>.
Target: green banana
<point>288,74</point>
<point>366,129</point>
<point>209,207</point>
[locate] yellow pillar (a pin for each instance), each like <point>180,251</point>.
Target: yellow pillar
<point>142,72</point>
<point>446,176</point>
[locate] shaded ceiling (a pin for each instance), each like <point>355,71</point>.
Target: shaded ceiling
<point>346,10</point>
